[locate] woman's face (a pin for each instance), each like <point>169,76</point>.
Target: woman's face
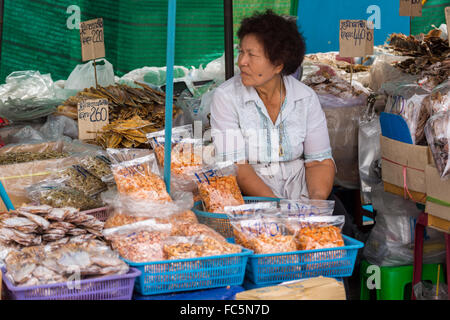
<point>256,68</point>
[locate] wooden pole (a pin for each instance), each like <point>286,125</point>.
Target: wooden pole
<point>95,74</point>
<point>228,26</point>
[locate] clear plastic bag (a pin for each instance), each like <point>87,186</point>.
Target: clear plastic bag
<point>383,71</point>
<point>194,229</point>
<point>369,152</point>
<point>437,132</point>
<point>316,232</point>
<point>186,158</point>
<point>306,207</point>
<point>127,210</point>
<point>407,101</point>
<point>140,179</point>
<point>83,75</point>
<point>196,246</point>
<point>58,195</point>
<point>27,95</point>
<point>77,177</point>
<point>261,233</point>
<point>439,99</point>
<point>252,208</point>
<point>156,139</point>
<point>218,187</point>
<point>57,263</point>
<point>391,240</point>
<point>427,291</point>
<point>342,123</point>
<point>121,155</point>
<point>139,242</point>
<point>98,166</point>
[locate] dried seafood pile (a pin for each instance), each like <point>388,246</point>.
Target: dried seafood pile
<point>36,225</point>
<point>431,56</point>
<point>124,103</point>
<point>55,264</point>
<point>326,81</point>
<point>129,133</point>
<point>20,157</point>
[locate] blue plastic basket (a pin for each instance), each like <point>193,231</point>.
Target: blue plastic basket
<point>280,267</point>
<point>220,221</point>
<point>191,274</point>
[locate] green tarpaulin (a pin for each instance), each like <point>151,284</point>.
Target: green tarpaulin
<point>36,34</point>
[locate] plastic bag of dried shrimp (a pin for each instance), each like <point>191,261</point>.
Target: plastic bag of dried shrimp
<point>140,178</point>
<point>218,187</point>
<point>306,207</point>
<point>127,210</point>
<point>196,246</point>
<point>139,242</point>
<point>262,233</point>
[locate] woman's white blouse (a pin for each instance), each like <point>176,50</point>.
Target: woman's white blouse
<point>242,128</point>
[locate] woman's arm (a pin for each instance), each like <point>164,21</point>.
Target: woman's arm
<point>319,165</point>
<point>320,178</point>
<point>251,184</point>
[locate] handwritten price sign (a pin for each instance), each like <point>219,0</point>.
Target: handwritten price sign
<point>93,115</point>
<point>411,8</point>
<point>92,39</point>
<point>355,38</point>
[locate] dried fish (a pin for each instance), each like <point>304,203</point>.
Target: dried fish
<point>57,263</point>
<point>76,232</point>
<point>124,103</point>
<point>41,222</point>
<point>431,56</point>
<point>68,197</point>
<point>42,209</point>
<point>16,222</point>
<point>78,178</point>
<point>62,225</point>
<point>58,214</point>
<point>20,157</point>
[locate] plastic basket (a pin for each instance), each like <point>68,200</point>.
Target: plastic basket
<point>220,221</point>
<point>280,267</point>
<point>191,274</point>
<point>101,214</point>
<point>116,287</point>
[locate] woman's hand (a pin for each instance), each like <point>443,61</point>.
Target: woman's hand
<point>251,184</point>
<point>320,178</point>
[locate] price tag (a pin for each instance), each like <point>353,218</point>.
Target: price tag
<point>411,8</point>
<point>447,19</point>
<point>93,115</point>
<point>355,38</point>
<point>92,40</point>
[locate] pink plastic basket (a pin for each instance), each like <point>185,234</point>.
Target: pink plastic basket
<point>101,214</point>
<point>117,287</point>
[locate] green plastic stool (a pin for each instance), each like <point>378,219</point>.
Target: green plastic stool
<point>395,279</point>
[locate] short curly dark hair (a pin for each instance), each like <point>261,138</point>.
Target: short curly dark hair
<point>280,37</point>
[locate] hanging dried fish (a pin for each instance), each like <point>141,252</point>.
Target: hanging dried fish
<point>129,133</point>
<point>124,103</point>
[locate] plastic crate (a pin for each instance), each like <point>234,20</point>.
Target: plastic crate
<point>191,274</point>
<point>279,267</point>
<point>116,287</point>
<point>220,221</point>
<point>101,214</point>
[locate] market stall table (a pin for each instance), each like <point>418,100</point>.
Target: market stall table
<point>418,251</point>
<point>227,293</point>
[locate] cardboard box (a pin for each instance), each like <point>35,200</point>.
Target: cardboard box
<point>398,159</point>
<point>438,199</point>
<point>16,177</point>
<point>319,288</point>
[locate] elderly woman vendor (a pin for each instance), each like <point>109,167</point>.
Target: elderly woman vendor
<point>268,122</point>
